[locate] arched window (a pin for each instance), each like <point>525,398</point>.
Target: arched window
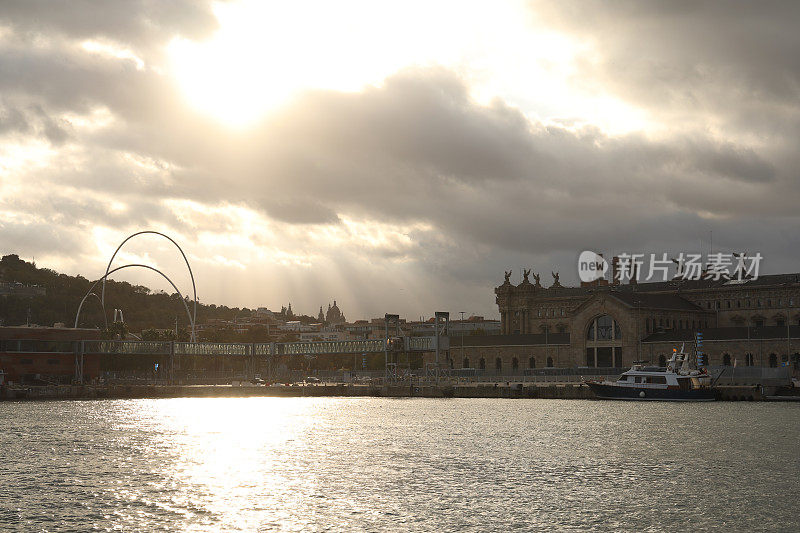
<point>773,360</point>
<point>482,363</point>
<point>532,363</point>
<point>466,362</point>
<point>662,360</point>
<point>515,363</point>
<point>603,342</point>
<point>748,359</point>
<point>726,359</point>
<point>498,364</point>
<point>549,361</point>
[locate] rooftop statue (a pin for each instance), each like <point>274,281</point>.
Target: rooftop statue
<point>508,275</point>
<point>556,283</point>
<point>525,274</point>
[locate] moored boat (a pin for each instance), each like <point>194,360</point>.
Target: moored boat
<point>678,381</point>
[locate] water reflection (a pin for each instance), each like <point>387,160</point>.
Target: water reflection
<point>298,464</point>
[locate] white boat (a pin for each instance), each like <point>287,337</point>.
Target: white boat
<point>680,380</point>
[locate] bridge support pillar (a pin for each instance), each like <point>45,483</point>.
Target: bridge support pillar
<point>78,349</point>
<point>172,363</point>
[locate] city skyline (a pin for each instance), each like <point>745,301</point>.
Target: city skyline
<point>398,156</point>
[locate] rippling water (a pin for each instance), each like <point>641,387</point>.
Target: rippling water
<point>299,464</point>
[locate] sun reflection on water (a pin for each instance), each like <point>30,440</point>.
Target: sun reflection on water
<point>232,455</point>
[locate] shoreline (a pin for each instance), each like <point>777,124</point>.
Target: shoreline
<point>492,390</point>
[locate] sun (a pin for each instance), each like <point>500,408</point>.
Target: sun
<point>265,53</point>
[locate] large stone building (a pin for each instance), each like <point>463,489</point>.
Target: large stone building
<point>754,322</point>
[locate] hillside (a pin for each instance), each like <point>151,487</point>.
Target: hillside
<point>142,308</point>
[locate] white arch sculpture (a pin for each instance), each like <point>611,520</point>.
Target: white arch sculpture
<point>191,275</point>
<point>188,314</point>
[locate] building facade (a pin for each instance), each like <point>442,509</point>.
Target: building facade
<point>754,322</point>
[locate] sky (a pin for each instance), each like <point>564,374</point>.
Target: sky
<point>394,156</point>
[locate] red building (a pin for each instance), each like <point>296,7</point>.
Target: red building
<point>44,353</point>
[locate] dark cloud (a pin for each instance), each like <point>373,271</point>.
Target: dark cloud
<point>731,64</point>
<point>141,24</point>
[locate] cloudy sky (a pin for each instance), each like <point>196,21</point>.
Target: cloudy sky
<point>395,156</point>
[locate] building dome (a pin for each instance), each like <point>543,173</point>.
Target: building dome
<point>334,314</point>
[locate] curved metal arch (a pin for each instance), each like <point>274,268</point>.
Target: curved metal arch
<point>105,316</point>
<point>188,314</point>
<point>191,275</point>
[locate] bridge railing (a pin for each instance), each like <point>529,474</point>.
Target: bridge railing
<point>211,348</point>
<point>126,347</point>
<point>412,344</point>
<point>325,347</point>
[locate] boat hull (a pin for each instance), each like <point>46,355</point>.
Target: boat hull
<point>604,391</point>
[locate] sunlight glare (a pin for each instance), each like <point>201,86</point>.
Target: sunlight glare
<point>265,53</point>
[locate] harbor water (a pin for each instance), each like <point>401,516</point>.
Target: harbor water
<point>380,464</point>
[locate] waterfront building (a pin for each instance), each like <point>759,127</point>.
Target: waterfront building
<point>753,322</point>
<point>47,354</point>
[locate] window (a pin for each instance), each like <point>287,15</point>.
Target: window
<point>466,363</point>
<point>549,361</point>
<point>729,304</point>
<point>748,359</point>
<point>769,303</point>
<point>498,364</point>
<point>482,363</point>
<point>53,361</point>
<point>780,322</point>
<point>726,359</point>
<point>656,379</point>
<point>532,363</point>
<point>604,340</point>
<point>515,363</point>
<point>738,303</point>
<point>759,322</point>
<point>773,360</point>
<point>26,361</point>
<point>662,360</point>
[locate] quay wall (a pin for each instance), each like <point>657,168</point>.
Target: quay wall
<point>488,390</point>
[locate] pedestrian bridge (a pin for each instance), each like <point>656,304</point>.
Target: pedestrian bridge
<point>270,349</point>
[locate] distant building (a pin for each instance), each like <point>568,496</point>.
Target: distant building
<point>334,315</point>
<point>9,288</point>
